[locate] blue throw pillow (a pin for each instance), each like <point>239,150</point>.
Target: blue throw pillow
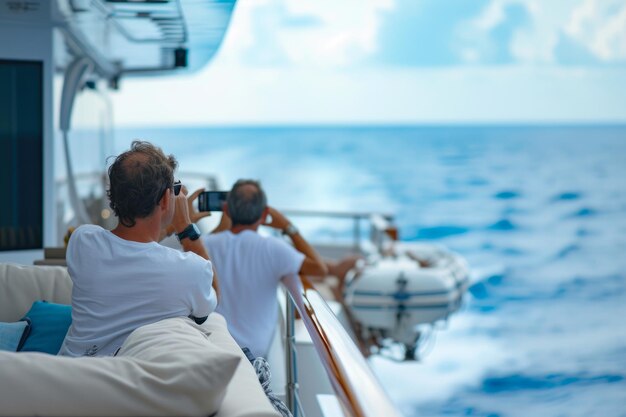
<point>49,323</point>
<point>13,335</point>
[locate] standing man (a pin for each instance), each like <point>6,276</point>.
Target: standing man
<point>124,279</point>
<point>251,265</point>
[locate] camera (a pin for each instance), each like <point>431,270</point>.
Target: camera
<point>211,200</point>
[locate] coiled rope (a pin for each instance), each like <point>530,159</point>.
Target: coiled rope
<point>262,369</point>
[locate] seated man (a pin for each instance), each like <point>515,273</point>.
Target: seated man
<point>251,265</point>
<point>124,279</point>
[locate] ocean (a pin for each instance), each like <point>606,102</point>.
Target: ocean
<point>538,212</point>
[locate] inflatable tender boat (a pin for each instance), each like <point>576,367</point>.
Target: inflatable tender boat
<point>389,297</point>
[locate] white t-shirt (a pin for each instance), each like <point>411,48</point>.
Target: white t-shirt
<point>250,267</point>
<point>120,285</point>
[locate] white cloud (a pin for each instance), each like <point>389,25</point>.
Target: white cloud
<point>322,81</point>
<point>491,16</point>
<point>347,33</point>
<point>533,43</point>
<point>600,25</point>
<point>347,30</point>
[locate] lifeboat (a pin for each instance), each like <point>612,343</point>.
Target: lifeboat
<point>388,298</point>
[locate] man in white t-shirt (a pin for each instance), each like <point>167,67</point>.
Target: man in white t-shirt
<point>123,278</point>
<point>251,266</point>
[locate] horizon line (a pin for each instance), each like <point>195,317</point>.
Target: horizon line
<point>297,125</point>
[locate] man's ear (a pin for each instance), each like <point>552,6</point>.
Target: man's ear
<point>164,202</point>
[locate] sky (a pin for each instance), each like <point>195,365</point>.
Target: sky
<point>400,62</point>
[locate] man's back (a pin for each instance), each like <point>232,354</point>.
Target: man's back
<point>120,285</point>
<point>250,267</point>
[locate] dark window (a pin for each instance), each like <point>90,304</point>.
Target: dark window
<point>21,155</point>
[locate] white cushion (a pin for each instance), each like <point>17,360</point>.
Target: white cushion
<point>167,368</point>
<point>21,285</point>
<point>244,396</point>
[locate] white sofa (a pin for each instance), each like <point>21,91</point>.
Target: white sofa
<point>172,367</point>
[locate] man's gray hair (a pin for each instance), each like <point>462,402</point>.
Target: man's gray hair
<point>245,206</point>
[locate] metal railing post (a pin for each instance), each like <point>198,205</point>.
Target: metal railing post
<point>357,233</point>
<point>290,357</point>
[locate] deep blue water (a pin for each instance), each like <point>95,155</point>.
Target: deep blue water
<point>539,212</point>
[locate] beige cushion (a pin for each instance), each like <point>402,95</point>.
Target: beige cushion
<point>244,395</point>
<point>21,285</point>
<point>167,368</point>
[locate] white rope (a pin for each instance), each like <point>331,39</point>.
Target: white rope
<point>264,374</point>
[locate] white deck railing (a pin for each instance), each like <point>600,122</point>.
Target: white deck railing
<point>355,386</point>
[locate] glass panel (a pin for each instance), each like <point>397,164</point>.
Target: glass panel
<point>91,142</point>
<point>21,155</point>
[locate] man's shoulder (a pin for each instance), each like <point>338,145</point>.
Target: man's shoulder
<point>277,245</point>
<point>168,254</point>
<point>219,238</point>
<point>224,234</point>
<point>86,230</point>
<point>187,262</point>
<point>274,240</point>
<point>227,236</point>
<point>251,237</point>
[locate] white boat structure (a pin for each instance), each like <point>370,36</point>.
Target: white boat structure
<point>58,59</point>
<point>398,290</point>
<point>391,298</point>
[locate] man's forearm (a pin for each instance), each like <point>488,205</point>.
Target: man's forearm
<point>224,224</point>
<point>195,246</point>
<point>316,265</point>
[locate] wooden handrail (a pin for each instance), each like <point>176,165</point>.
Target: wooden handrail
<point>353,382</point>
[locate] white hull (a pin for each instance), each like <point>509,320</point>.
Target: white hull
<point>391,296</point>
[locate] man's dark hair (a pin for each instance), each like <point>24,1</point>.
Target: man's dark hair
<point>245,206</point>
<point>138,179</point>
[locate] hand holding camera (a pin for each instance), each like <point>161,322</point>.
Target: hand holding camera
<point>195,215</point>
